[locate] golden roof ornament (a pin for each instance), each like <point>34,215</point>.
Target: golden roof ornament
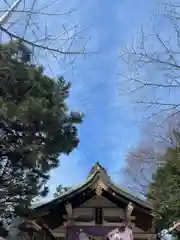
<point>99,187</point>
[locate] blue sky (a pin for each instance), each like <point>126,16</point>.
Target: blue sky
<point>111,126</point>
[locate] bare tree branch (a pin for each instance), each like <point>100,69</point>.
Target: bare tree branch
<point>33,44</point>
<point>37,12</point>
<point>151,75</point>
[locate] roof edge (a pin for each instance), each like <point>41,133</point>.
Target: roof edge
<point>70,192</point>
<point>128,195</point>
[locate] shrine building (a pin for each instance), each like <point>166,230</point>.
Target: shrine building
<point>95,207</point>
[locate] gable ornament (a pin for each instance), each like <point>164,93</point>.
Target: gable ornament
<point>99,187</point>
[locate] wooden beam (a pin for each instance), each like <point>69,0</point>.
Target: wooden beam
<point>70,215</point>
<point>69,209</point>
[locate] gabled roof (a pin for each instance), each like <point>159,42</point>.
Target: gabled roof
<point>97,173</point>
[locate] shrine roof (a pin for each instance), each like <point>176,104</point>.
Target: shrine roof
<point>96,173</point>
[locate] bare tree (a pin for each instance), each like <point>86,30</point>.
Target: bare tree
<point>139,166</point>
<point>152,81</point>
<point>152,65</point>
<point>32,23</point>
<point>143,160</point>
